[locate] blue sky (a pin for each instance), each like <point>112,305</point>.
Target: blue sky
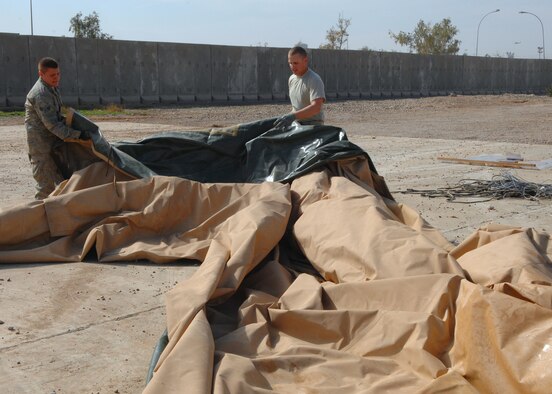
<point>283,23</point>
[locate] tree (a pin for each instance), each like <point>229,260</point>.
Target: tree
<point>337,37</point>
<point>87,27</point>
<point>430,40</point>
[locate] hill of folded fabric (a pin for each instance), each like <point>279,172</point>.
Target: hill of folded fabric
<point>312,278</point>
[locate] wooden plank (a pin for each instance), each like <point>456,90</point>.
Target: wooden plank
<point>488,163</point>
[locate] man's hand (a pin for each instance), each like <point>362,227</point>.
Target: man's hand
<point>283,122</point>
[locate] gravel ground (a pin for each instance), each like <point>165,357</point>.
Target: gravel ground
<point>506,118</point>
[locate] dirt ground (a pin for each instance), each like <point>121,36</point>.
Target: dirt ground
<point>506,118</point>
<point>91,328</point>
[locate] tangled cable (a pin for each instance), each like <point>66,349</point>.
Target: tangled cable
<point>500,186</point>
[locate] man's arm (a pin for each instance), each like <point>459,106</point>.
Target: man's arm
<point>48,115</point>
<point>310,110</point>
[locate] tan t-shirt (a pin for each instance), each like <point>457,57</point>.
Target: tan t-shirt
<point>303,90</point>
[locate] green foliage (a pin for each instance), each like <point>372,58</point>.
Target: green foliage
<point>550,91</point>
<point>110,109</point>
<point>337,36</point>
<point>6,114</point>
<point>87,27</point>
<point>427,39</point>
<point>114,109</point>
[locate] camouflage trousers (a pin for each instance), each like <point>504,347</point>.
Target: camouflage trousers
<point>45,173</point>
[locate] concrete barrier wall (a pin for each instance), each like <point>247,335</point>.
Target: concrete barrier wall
<point>101,72</point>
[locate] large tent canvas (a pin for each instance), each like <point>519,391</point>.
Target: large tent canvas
<point>311,277</point>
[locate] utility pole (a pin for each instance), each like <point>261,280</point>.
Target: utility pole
<point>477,40</point>
<point>31,1</point>
<point>542,27</point>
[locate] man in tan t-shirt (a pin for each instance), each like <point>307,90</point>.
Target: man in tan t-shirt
<point>306,92</point>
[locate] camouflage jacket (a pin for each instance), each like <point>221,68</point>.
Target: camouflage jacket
<point>43,119</point>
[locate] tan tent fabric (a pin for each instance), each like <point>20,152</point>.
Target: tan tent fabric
<point>502,343</point>
<point>396,308</point>
<point>160,219</point>
<point>375,244</point>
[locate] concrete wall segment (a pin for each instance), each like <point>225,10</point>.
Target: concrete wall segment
<point>390,70</point>
<point>235,72</point>
<point>338,65</point>
<point>374,73</point>
<point>3,80</point>
<point>364,74</point>
<point>220,70</point>
<point>149,72</point>
<point>17,69</point>
<point>197,73</point>
<point>249,66</point>
<point>264,71</point>
<point>170,60</point>
<point>110,71</point>
<point>129,61</point>
<point>353,73</point>
<point>99,72</point>
<point>88,71</point>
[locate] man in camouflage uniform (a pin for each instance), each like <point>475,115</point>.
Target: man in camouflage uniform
<point>45,127</point>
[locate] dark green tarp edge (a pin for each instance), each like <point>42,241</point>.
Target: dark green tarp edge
<point>247,153</point>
